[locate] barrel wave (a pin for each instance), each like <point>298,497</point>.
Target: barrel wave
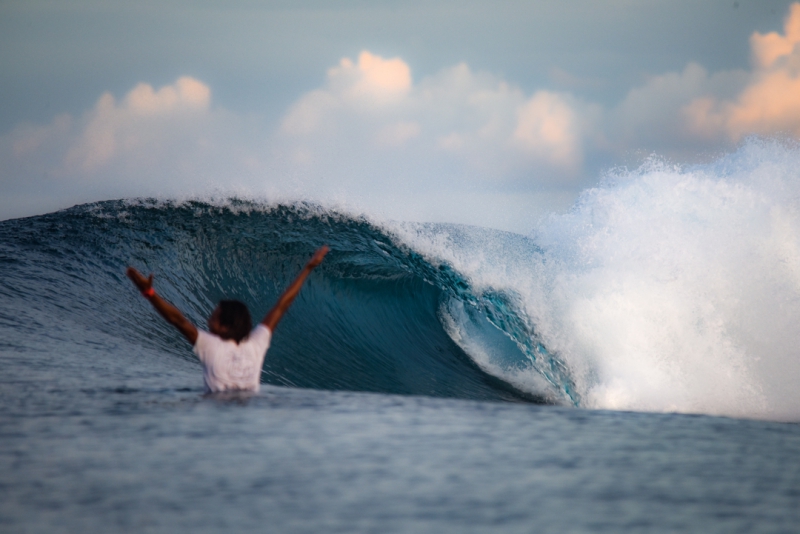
<point>376,316</point>
<point>664,288</point>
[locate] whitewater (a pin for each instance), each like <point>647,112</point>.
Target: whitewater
<point>665,288</point>
<point>629,364</point>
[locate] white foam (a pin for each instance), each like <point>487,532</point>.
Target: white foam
<point>667,288</point>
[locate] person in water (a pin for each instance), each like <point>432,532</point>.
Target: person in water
<point>231,353</point>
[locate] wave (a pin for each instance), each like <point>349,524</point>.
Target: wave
<point>665,288</point>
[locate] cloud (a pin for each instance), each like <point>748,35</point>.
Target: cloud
<point>397,134</point>
<point>682,114</point>
<point>768,49</point>
<point>473,122</point>
<point>165,141</point>
<point>373,78</point>
<point>367,87</point>
<point>650,115</point>
<point>770,102</point>
<point>112,128</point>
<point>142,122</point>
<point>548,129</point>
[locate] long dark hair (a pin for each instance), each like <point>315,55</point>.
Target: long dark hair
<point>235,316</point>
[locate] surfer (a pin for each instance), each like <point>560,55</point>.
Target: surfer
<point>231,353</point>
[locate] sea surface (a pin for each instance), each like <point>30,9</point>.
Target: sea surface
<point>630,366</point>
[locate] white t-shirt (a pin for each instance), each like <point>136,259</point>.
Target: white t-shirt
<point>228,366</point>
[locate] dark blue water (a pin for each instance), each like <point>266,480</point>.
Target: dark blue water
<point>372,419</point>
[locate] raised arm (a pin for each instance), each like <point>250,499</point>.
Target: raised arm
<point>276,313</point>
<point>167,310</point>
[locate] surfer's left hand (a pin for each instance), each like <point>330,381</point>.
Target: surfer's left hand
<point>141,282</point>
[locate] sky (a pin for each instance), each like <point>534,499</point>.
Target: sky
<point>493,114</point>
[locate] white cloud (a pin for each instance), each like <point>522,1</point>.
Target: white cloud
<point>768,49</point>
<point>372,87</point>
<point>548,129</point>
<point>398,133</point>
<point>684,113</point>
<point>473,122</point>
<point>114,128</point>
<point>650,116</point>
<point>770,103</point>
<point>166,141</point>
<point>373,79</point>
<point>140,126</point>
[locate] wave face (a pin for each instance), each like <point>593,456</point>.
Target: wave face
<point>376,316</point>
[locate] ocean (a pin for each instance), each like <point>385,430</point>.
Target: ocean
<point>631,365</point>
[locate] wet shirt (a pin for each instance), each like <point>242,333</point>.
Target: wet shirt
<point>228,366</point>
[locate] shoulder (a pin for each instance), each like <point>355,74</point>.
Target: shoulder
<point>260,335</point>
<point>207,344</point>
<point>261,327</point>
<point>204,338</point>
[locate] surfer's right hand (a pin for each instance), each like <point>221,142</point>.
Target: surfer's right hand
<point>316,259</point>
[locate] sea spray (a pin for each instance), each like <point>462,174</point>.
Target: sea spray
<point>665,288</point>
